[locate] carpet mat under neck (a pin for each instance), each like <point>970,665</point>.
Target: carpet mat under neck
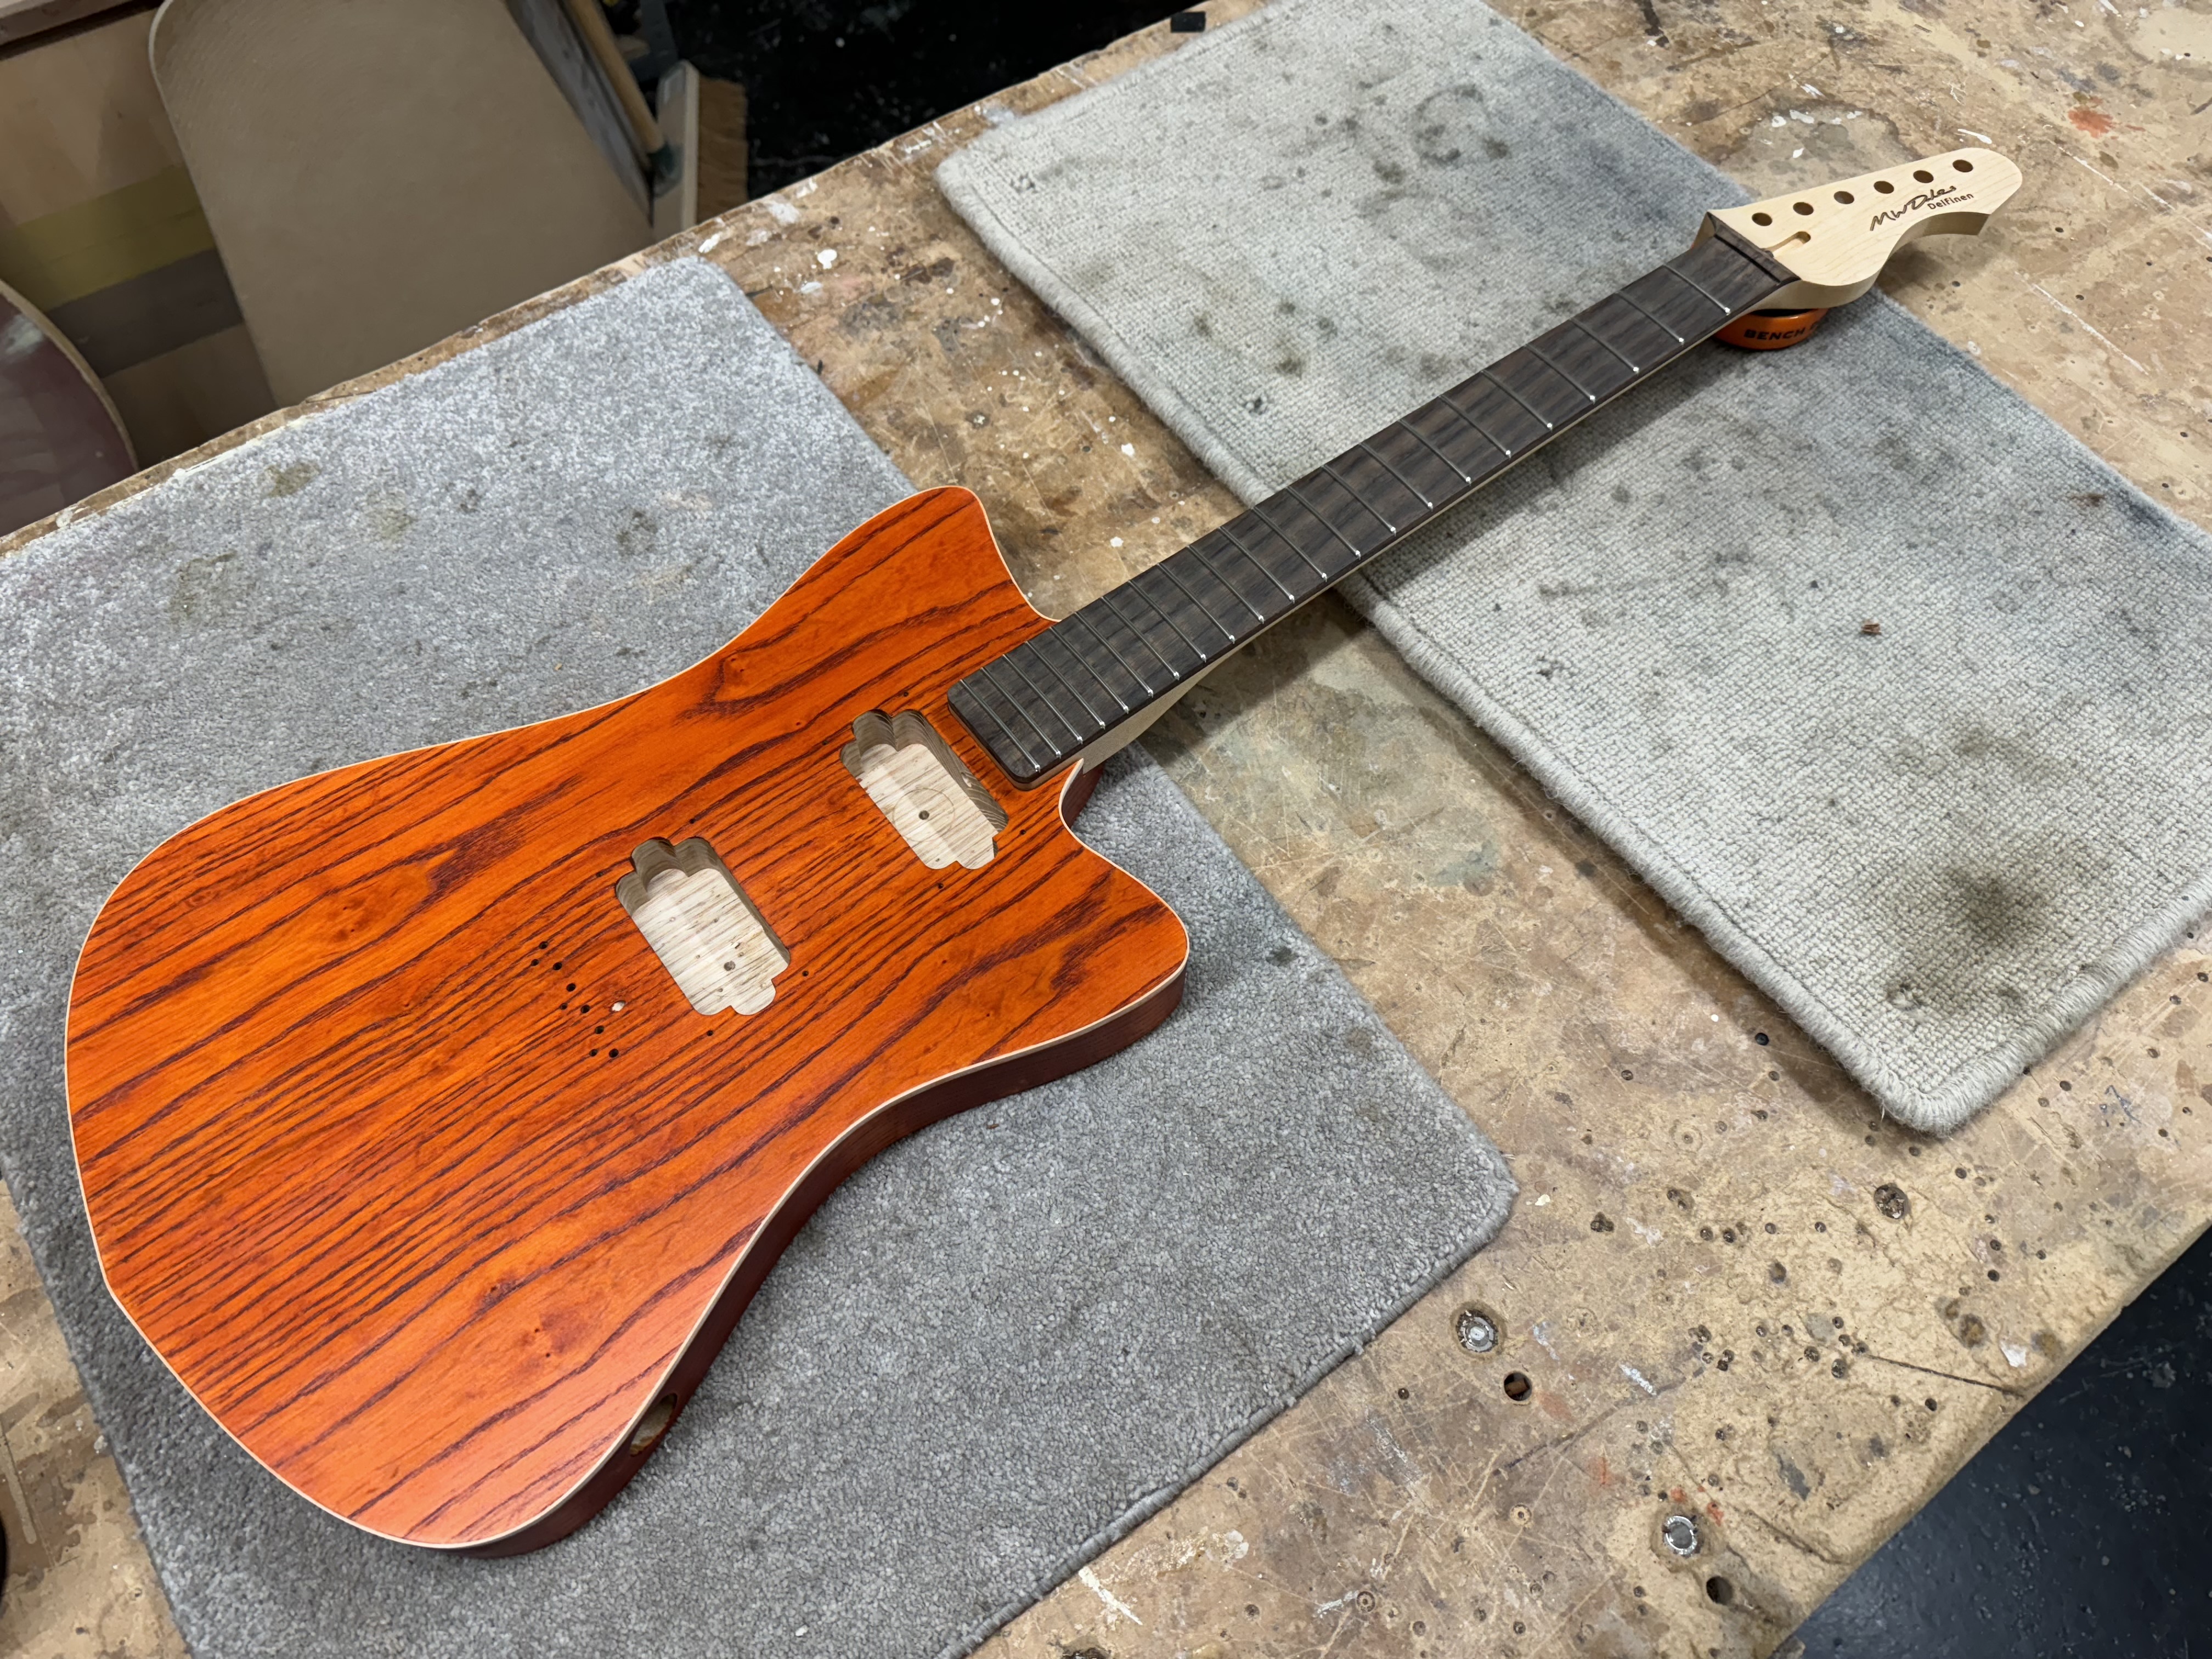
<point>996,1348</point>
<point>1939,847</point>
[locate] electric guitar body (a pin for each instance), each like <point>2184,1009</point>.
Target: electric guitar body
<point>404,1139</point>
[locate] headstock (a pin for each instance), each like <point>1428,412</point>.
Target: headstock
<point>1838,237</point>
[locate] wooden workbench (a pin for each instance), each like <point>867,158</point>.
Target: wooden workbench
<point>1737,1294</point>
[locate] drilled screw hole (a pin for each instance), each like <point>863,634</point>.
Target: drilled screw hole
<point>1721,1590</point>
<point>1517,1385</point>
<point>1477,1329</point>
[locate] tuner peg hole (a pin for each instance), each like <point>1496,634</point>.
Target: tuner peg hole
<point>1924,175</point>
<point>1845,197</point>
<point>1801,207</point>
<point>1883,186</point>
<point>1963,166</point>
<point>1762,218</point>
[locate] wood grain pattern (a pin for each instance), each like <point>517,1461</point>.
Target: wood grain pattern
<point>375,1164</point>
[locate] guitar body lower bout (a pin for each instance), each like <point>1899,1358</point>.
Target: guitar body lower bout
<point>403,1145</point>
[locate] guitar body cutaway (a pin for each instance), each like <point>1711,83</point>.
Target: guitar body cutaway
<point>403,1145</point>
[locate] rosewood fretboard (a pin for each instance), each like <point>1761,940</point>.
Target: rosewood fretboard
<point>1061,693</point>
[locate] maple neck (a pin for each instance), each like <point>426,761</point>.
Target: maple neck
<point>1087,684</point>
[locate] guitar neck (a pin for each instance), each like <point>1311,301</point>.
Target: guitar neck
<point>1092,681</point>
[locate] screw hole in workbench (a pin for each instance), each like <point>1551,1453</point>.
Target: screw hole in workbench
<point>1721,1591</point>
<point>1517,1385</point>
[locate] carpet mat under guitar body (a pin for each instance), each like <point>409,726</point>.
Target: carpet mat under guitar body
<point>1001,1343</point>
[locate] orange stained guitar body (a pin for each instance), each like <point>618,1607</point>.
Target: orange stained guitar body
<point>406,1153</point>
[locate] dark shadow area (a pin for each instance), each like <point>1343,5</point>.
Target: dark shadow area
<point>825,79</point>
<point>2081,1528</point>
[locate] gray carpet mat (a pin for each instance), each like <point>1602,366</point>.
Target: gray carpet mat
<point>1000,1345</point>
<point>1939,847</point>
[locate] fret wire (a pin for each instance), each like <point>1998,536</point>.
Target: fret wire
<point>1328,471</point>
<point>998,685</point>
<point>1286,536</point>
<point>1727,310</point>
<point>1366,446</point>
<point>1060,637</point>
<point>1106,646</point>
<point>1206,560</point>
<point>1037,647</point>
<point>1450,401</point>
<point>1229,534</point>
<point>1315,513</point>
<point>1537,352</point>
<point>990,671</point>
<point>1623,294</point>
<point>1610,349</point>
<point>1165,566</point>
<point>1465,477</point>
<point>1014,659</point>
<point>1004,731</point>
<point>1547,425</point>
<point>1111,602</point>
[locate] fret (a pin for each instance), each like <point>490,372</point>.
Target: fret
<point>988,710</point>
<point>1551,396</point>
<point>1025,665</point>
<point>1312,570</point>
<point>1421,438</point>
<point>1362,472</point>
<point>1676,303</point>
<point>1092,694</point>
<point>1630,335</point>
<point>1098,689</point>
<point>1371,448</point>
<point>1007,679</point>
<point>1628,298</point>
<point>1491,405</point>
<point>1493,454</point>
<point>1297,572</point>
<point>1091,647</point>
<point>1078,683</point>
<point>1230,560</point>
<point>1156,637</point>
<point>1219,604</point>
<point>1583,360</point>
<point>1349,519</point>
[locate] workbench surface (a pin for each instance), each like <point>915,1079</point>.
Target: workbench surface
<point>1735,1292</point>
